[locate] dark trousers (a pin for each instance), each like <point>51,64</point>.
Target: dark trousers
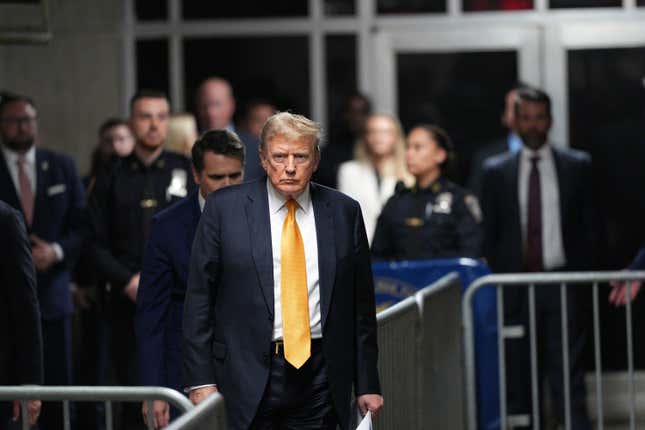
<point>549,355</point>
<point>123,349</point>
<point>57,356</point>
<point>297,399</point>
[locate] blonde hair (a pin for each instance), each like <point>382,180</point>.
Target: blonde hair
<point>291,126</point>
<point>396,167</point>
<point>182,133</point>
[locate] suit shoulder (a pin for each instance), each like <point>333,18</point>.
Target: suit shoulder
<point>57,158</point>
<point>498,161</point>
<point>176,160</point>
<point>176,211</point>
<point>333,195</point>
<point>573,155</point>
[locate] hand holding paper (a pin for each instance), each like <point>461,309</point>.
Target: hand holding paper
<point>366,423</point>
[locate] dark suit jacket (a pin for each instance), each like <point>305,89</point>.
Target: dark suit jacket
<point>502,230</point>
<point>59,211</point>
<point>491,149</point>
<point>21,346</point>
<point>229,309</point>
<point>160,298</point>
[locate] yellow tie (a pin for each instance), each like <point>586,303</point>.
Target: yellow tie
<point>294,293</point>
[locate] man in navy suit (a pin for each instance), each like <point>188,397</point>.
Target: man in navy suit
<point>218,161</point>
<point>279,313</point>
<point>537,206</point>
<point>44,186</point>
<point>21,344</point>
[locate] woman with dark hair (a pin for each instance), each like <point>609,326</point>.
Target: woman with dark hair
<point>434,218</point>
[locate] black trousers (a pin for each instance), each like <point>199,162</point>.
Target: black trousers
<point>549,354</point>
<point>297,399</point>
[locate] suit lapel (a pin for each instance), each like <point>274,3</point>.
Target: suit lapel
<point>326,249</point>
<point>563,183</point>
<point>8,190</point>
<point>512,179</point>
<point>42,182</point>
<point>259,224</point>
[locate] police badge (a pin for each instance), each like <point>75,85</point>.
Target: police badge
<point>443,203</point>
<point>177,185</point>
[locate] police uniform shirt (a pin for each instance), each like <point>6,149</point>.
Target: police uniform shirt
<point>124,205</point>
<point>441,221</point>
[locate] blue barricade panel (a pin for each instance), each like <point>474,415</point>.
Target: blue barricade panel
<point>397,280</point>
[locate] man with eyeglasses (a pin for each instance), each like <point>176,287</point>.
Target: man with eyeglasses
<point>44,186</point>
<point>218,161</point>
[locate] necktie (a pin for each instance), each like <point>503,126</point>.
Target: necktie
<point>26,193</point>
<point>294,294</point>
<point>534,225</point>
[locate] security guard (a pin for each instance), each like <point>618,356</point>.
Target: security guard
<point>435,218</point>
<point>122,206</point>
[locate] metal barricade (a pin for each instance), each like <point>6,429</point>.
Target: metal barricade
<point>420,361</point>
<point>209,414</point>
<point>65,394</point>
<point>559,281</point>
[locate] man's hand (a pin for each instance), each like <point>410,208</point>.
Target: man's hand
<point>618,295</point>
<point>370,402</point>
<point>131,289</point>
<point>42,253</point>
<point>33,411</point>
<point>199,394</point>
<point>161,412</point>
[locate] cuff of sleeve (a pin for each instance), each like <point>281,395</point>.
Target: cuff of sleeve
<point>189,389</point>
<point>58,250</point>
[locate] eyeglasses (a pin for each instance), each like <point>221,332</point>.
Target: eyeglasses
<point>18,120</point>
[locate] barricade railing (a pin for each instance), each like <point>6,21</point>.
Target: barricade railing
<point>108,395</point>
<point>531,282</point>
<point>420,359</point>
<point>209,414</point>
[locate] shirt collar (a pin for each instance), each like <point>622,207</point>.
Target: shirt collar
<point>201,200</point>
<point>12,156</point>
<point>277,200</point>
<point>544,152</point>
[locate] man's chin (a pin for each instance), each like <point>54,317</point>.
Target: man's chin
<point>19,145</point>
<point>290,189</point>
<point>151,145</point>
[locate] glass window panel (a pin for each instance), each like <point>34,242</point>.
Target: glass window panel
<point>200,9</point>
<point>340,7</point>
<point>481,5</point>
<point>152,64</point>
<point>151,10</point>
<point>461,92</point>
<point>563,4</point>
<point>272,68</point>
<point>410,6</point>
<point>341,75</point>
<point>607,119</point>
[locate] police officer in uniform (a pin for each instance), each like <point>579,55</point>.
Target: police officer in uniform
<point>435,218</point>
<point>122,206</point>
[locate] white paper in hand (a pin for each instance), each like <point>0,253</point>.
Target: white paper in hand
<point>366,424</point>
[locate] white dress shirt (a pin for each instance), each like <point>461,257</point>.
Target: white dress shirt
<point>201,200</point>
<point>358,180</point>
<point>11,158</point>
<point>307,225</point>
<point>553,255</point>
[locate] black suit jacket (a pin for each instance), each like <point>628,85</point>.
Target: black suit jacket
<point>21,347</point>
<point>229,309</point>
<point>59,212</point>
<point>488,150</point>
<point>500,204</point>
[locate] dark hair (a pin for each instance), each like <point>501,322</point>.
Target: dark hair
<point>147,94</point>
<point>111,123</point>
<point>533,95</point>
<point>356,95</point>
<point>7,97</point>
<point>443,140</point>
<point>255,103</point>
<point>221,142</point>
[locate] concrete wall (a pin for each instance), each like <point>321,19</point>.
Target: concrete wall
<point>76,78</point>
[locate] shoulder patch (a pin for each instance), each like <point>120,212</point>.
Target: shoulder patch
<point>473,207</point>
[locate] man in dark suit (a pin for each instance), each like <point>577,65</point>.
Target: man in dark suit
<point>44,186</point>
<point>511,142</point>
<point>218,161</point>
<point>537,217</point>
<point>279,314</point>
<point>21,345</point>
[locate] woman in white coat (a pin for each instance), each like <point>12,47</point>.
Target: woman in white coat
<point>379,163</point>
